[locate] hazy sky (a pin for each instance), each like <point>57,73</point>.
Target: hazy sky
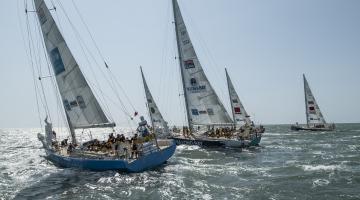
<point>266,46</point>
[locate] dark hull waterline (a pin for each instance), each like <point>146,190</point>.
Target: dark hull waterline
<point>299,128</point>
<point>213,142</point>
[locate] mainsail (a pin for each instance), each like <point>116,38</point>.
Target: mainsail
<point>81,107</point>
<point>157,121</point>
<point>240,115</point>
<point>203,105</point>
<point>313,113</point>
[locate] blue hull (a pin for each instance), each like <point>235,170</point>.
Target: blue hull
<point>143,163</point>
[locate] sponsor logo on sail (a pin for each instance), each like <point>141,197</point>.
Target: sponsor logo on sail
<point>56,61</point>
<point>312,109</point>
<point>202,112</point>
<point>81,102</point>
<point>67,105</point>
<point>196,89</point>
<point>74,104</point>
<point>193,82</point>
<point>210,111</point>
<point>185,42</point>
<point>189,64</point>
<point>237,110</point>
<point>194,112</point>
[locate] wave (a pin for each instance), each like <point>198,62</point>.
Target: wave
<point>286,147</point>
<point>320,182</point>
<point>321,167</point>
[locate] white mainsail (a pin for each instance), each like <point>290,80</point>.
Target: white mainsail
<point>81,107</point>
<point>313,113</point>
<point>158,123</point>
<point>240,115</point>
<point>203,105</point>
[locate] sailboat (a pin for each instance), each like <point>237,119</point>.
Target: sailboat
<point>83,111</point>
<point>314,118</point>
<point>209,124</point>
<point>240,117</point>
<point>158,124</point>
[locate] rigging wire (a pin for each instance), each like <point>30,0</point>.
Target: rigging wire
<point>31,53</point>
<point>212,64</point>
<point>111,82</point>
<point>84,50</point>
<point>30,61</point>
<point>180,80</point>
<point>55,89</point>
<point>202,44</point>
<point>166,82</point>
<point>101,55</point>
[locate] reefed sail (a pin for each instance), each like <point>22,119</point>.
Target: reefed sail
<point>203,105</point>
<point>159,125</point>
<point>313,114</point>
<point>81,107</point>
<point>240,115</point>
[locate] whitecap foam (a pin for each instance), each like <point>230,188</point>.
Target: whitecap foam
<point>320,167</point>
<point>206,196</point>
<point>320,182</point>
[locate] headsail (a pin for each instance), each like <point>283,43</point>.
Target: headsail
<point>81,107</point>
<point>240,115</point>
<point>158,123</point>
<point>202,103</point>
<point>313,113</point>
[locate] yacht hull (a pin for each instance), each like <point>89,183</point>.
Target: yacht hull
<point>143,163</point>
<point>214,142</point>
<point>299,128</point>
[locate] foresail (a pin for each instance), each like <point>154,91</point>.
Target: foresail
<point>82,108</point>
<point>313,113</point>
<point>240,115</point>
<point>156,118</point>
<point>203,105</point>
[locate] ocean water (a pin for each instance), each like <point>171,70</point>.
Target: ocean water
<point>288,165</point>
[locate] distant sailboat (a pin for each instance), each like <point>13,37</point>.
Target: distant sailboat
<point>314,118</point>
<point>159,125</point>
<point>240,117</point>
<point>83,111</point>
<point>203,107</point>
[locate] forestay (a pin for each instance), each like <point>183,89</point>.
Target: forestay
<point>202,103</point>
<point>240,115</point>
<point>313,113</point>
<point>82,108</point>
<point>158,123</point>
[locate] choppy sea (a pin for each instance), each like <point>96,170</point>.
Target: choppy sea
<point>288,165</point>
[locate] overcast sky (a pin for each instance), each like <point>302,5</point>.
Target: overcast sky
<point>266,46</point>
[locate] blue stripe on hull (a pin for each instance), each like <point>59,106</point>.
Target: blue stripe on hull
<point>145,162</point>
<point>212,143</point>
